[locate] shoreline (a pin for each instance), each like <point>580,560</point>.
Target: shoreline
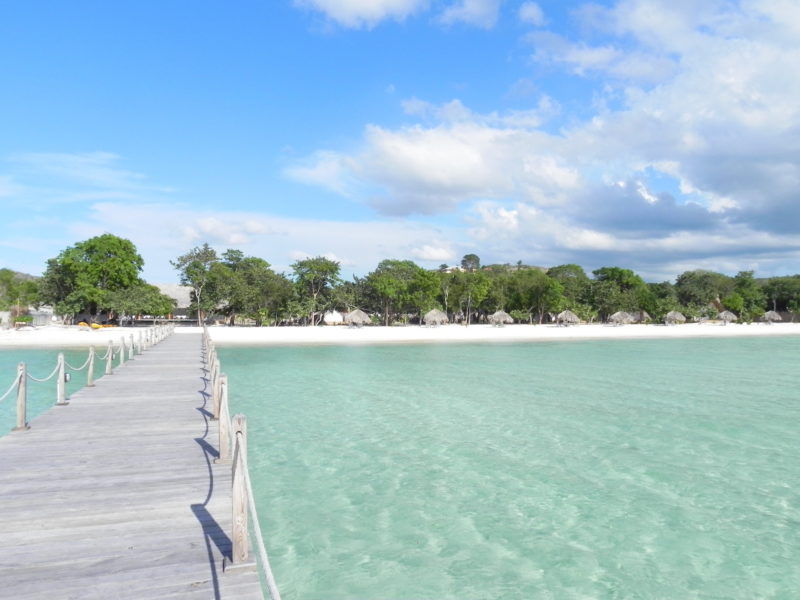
<point>54,336</point>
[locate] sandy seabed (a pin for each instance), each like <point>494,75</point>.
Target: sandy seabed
<point>65,337</point>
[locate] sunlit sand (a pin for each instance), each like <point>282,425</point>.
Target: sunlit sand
<point>56,336</point>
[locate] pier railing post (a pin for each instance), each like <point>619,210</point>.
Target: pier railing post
<point>241,544</point>
<point>61,382</point>
<point>109,358</point>
<point>22,398</point>
<point>130,349</point>
<point>121,351</point>
<point>224,422</point>
<point>90,370</point>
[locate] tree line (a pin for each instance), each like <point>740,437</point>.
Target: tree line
<point>100,278</point>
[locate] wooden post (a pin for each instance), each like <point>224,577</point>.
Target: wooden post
<point>241,544</point>
<point>61,382</point>
<point>130,349</point>
<point>121,352</point>
<point>139,345</point>
<point>90,370</point>
<point>22,398</point>
<point>224,422</point>
<point>215,391</point>
<point>109,358</point>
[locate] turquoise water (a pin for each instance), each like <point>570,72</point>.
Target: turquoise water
<point>642,469</point>
<point>40,364</point>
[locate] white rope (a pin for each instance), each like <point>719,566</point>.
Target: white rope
<point>262,552</point>
<point>13,385</point>
<point>46,378</point>
<point>81,368</point>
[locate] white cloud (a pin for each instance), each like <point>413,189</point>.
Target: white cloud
<point>432,253</point>
<point>531,13</point>
<point>363,13</point>
<point>163,231</point>
<point>481,13</point>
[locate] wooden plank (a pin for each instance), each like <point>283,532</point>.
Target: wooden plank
<point>116,495</point>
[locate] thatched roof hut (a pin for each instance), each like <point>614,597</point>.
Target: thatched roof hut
<point>673,317</point>
<point>641,316</point>
<point>500,318</point>
<point>620,318</point>
<point>567,317</point>
<point>435,317</point>
<point>771,316</point>
<point>727,316</point>
<point>357,318</point>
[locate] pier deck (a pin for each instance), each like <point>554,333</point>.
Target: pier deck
<point>117,495</point>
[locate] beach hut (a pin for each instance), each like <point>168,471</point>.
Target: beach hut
<point>567,318</point>
<point>435,317</point>
<point>357,318</point>
<point>641,316</point>
<point>673,317</point>
<point>726,317</point>
<point>333,317</point>
<point>771,316</point>
<point>620,318</point>
<point>500,318</point>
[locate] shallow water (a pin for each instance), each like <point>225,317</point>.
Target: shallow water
<point>641,469</point>
<point>40,364</point>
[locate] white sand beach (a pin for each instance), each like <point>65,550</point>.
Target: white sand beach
<point>66,337</point>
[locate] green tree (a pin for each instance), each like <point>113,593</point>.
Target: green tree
<point>617,289</point>
<point>82,277</point>
<point>195,270</point>
<point>390,284</point>
<point>471,289</point>
<point>754,300</point>
<point>314,278</point>
<point>17,292</point>
<point>575,284</point>
<point>536,294</point>
<point>141,298</point>
<point>782,292</point>
<point>471,263</point>
<point>702,288</point>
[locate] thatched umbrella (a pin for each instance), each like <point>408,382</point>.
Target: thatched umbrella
<point>641,316</point>
<point>771,316</point>
<point>727,316</point>
<point>500,318</point>
<point>620,318</point>
<point>357,318</point>
<point>435,317</point>
<point>673,317</point>
<point>567,317</point>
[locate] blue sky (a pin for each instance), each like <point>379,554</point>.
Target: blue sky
<point>656,135</point>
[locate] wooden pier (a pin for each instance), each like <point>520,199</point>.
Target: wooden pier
<point>117,494</point>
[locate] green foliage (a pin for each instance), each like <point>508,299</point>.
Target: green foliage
<point>138,299</point>
<point>16,291</point>
<point>536,293</point>
<point>702,287</point>
<point>575,284</point>
<point>754,300</point>
<point>314,278</point>
<point>84,276</point>
<point>471,262</point>
<point>195,269</point>
<point>471,288</point>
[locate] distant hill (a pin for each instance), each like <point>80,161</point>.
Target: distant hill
<point>22,276</point>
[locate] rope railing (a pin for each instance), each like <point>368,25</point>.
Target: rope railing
<point>153,335</point>
<point>233,441</point>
